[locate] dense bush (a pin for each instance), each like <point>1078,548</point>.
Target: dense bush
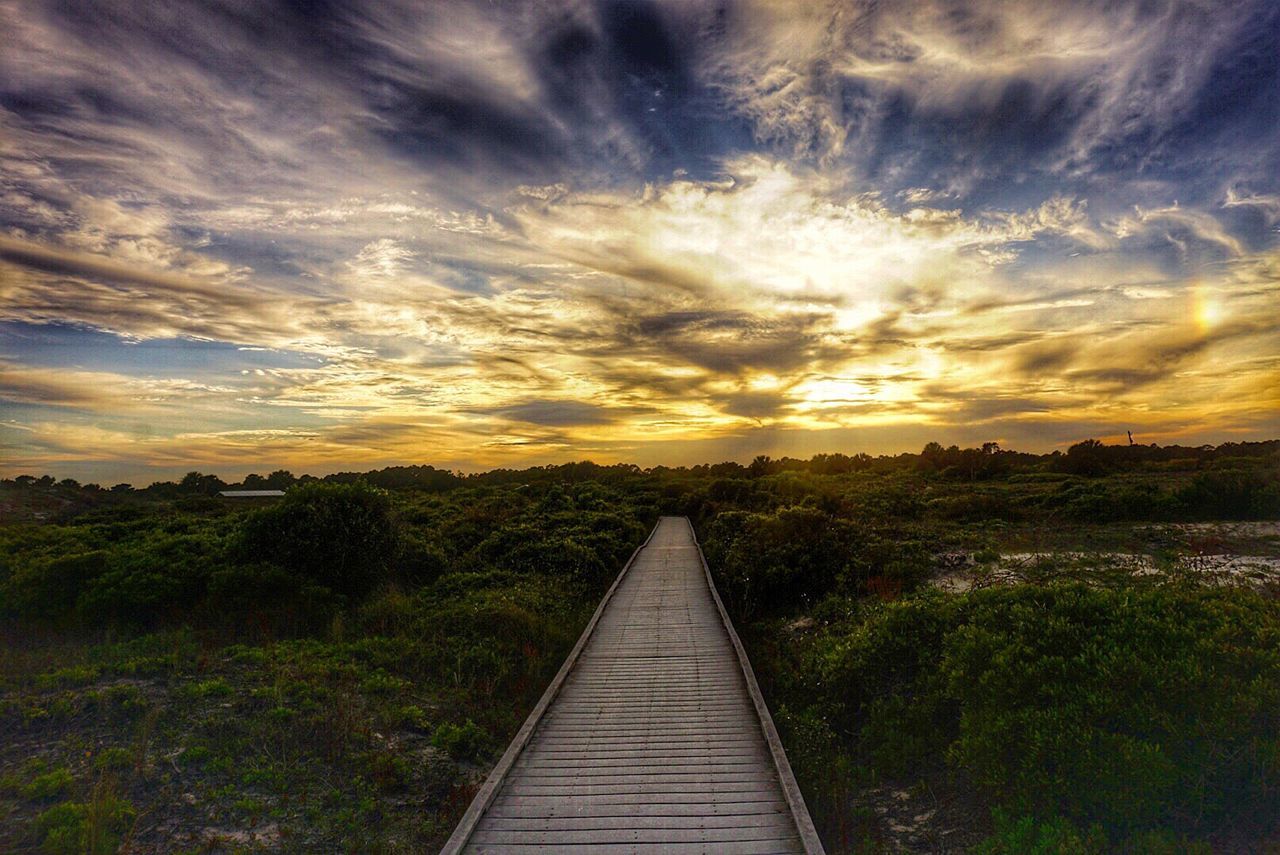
<point>466,741</point>
<point>1055,835</point>
<point>1100,501</point>
<point>777,562</point>
<point>146,577</point>
<point>1091,716</point>
<point>1237,493</point>
<point>134,574</point>
<point>583,547</point>
<point>1133,708</point>
<point>1028,836</point>
<point>341,536</point>
<point>976,505</point>
<point>52,587</point>
<point>772,562</point>
<point>421,559</point>
<point>85,828</point>
<point>290,558</point>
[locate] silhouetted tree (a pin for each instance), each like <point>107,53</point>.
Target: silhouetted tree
<point>201,484</point>
<point>280,480</point>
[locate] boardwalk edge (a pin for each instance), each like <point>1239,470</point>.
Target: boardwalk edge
<point>467,825</point>
<point>790,789</point>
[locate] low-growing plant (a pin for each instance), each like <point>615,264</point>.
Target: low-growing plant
<point>414,717</point>
<point>466,741</point>
<point>196,754</point>
<point>48,785</point>
<point>94,827</point>
<point>203,689</point>
<point>114,758</point>
<point>1027,835</point>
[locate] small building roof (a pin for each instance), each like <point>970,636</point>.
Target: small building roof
<point>250,494</point>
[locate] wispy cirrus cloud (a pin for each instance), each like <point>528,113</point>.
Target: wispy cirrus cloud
<point>383,232</point>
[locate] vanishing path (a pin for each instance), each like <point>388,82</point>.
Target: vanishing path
<point>652,738</point>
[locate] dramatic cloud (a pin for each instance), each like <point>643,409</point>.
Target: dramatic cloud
<point>237,236</point>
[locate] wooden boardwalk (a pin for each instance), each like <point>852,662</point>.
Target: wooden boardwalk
<point>652,738</point>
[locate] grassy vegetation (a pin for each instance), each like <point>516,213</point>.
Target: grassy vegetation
<point>203,680</point>
<point>1085,709</point>
<point>336,671</point>
<point>1116,712</point>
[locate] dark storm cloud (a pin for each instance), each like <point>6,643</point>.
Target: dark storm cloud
<point>727,342</point>
<point>967,409</point>
<point>1138,357</point>
<point>1046,358</point>
<point>753,405</point>
<point>561,413</point>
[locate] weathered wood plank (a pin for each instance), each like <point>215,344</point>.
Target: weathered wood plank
<point>742,848</point>
<point>706,779</point>
<point>637,835</point>
<point>651,739</point>
<point>633,794</point>
<point>692,752</point>
<point>778,818</point>
<point>728,790</point>
<point>625,734</point>
<point>544,807</point>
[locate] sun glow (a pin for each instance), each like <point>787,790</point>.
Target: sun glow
<point>1206,309</point>
<point>472,257</point>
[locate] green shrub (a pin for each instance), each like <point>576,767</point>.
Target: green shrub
<point>164,572</point>
<point>50,588</point>
<point>1125,707</point>
<point>976,506</point>
<point>341,536</point>
<point>382,683</point>
<point>1108,501</point>
<point>1241,494</point>
<point>420,560</point>
<point>412,717</point>
<point>195,755</point>
<point>215,688</point>
<point>1136,708</point>
<point>1054,835</point>
<point>85,828</point>
<point>113,759</point>
<point>467,741</point>
<point>262,594</point>
<point>892,499</point>
<point>1027,835</point>
<point>767,563</point>
<point>778,562</point>
<point>72,675</point>
<point>555,556</point>
<point>48,786</point>
<point>390,773</point>
<point>134,573</point>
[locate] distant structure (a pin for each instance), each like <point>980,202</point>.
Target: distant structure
<point>250,494</point>
<point>1130,436</point>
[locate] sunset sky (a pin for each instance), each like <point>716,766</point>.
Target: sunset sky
<point>238,236</point>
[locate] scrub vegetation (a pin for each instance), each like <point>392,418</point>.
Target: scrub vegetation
<point>337,670</point>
